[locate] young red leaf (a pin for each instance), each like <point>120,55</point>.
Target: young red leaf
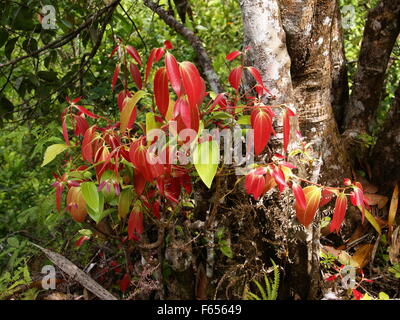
<point>299,195</point>
<point>125,282</point>
<point>135,74</point>
<point>233,55</point>
<point>261,122</point>
<point>64,129</point>
<point>168,45</point>
<point>161,91</point>
<point>81,125</point>
<point>150,63</point>
<point>159,54</point>
<point>173,73</point>
<point>81,240</point>
<point>115,76</point>
<point>256,74</point>
<point>134,54</point>
<point>235,76</point>
<point>87,112</point>
<point>357,294</point>
<point>113,52</point>
<point>255,182</point>
<point>279,177</point>
<point>339,213</point>
<point>326,197</point>
<point>193,84</point>
<point>135,224</point>
<point>139,182</point>
<point>87,144</point>
<point>189,116</point>
<point>313,196</point>
<point>121,98</point>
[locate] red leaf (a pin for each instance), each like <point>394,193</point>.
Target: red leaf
<point>339,213</point>
<point>87,146</point>
<point>139,182</point>
<point>286,130</point>
<point>189,116</point>
<point>313,196</point>
<point>134,54</point>
<point>81,125</point>
<point>135,74</point>
<point>150,63</point>
<point>161,91</point>
<point>357,294</point>
<point>81,240</point>
<point>87,112</point>
<point>64,129</point>
<point>299,195</point>
<point>114,50</point>
<point>327,196</point>
<point>218,100</point>
<point>261,122</point>
<point>159,54</point>
<point>256,74</point>
<point>173,72</point>
<point>235,76</point>
<point>279,177</point>
<point>156,210</point>
<point>121,97</point>
<point>115,77</point>
<point>255,182</point>
<point>59,189</point>
<point>233,55</point>
<point>125,282</point>
<point>168,45</point>
<point>193,84</point>
<point>132,118</point>
<point>135,225</point>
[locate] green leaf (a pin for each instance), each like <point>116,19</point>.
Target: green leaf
<point>52,152</point>
<point>49,76</point>
<point>371,220</point>
<point>226,249</point>
<point>206,158</point>
<point>125,200</point>
<point>128,108</point>
<point>3,37</point>
<point>13,242</point>
<point>91,196</point>
<point>9,48</point>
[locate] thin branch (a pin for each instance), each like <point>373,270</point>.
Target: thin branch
<point>134,25</point>
<point>195,42</point>
<point>65,39</point>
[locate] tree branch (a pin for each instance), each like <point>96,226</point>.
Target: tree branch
<point>65,39</point>
<point>195,42</point>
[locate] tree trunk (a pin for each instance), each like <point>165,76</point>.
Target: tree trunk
<point>386,153</point>
<point>313,34</point>
<point>380,34</point>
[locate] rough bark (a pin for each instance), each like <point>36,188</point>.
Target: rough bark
<point>380,34</point>
<point>386,153</point>
<point>311,32</point>
<point>313,44</point>
<point>340,84</point>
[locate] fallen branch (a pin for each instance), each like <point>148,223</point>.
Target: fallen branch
<point>77,274</point>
